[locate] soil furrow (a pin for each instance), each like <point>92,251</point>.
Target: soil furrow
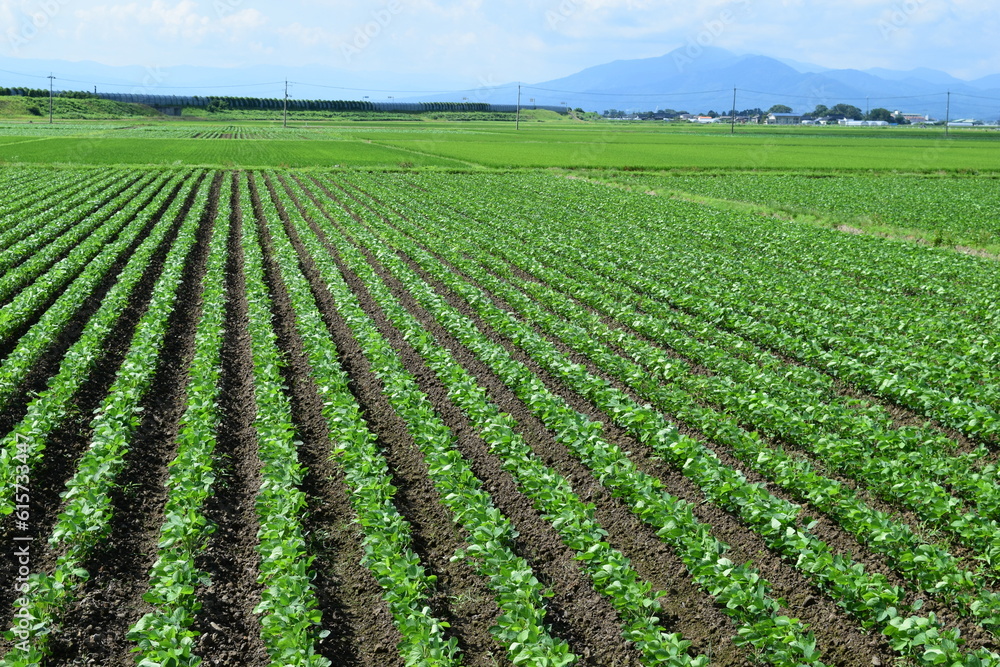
<point>359,624</point>
<point>899,513</point>
<point>837,634</point>
<point>462,598</point>
<point>229,631</point>
<point>900,415</point>
<point>66,444</point>
<point>580,614</point>
<point>576,612</point>
<point>48,364</point>
<point>89,211</point>
<point>97,623</point>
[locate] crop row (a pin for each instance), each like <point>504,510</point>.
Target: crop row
<point>739,588</point>
<point>85,519</point>
<point>164,636</point>
<point>109,247</point>
<point>22,448</point>
<point>387,536</point>
<point>898,467</point>
<point>871,322</point>
<point>632,416</point>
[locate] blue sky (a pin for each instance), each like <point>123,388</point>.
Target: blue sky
<point>468,43</point>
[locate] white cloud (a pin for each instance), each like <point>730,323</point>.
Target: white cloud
<point>511,40</point>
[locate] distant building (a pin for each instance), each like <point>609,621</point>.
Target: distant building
<point>784,119</point>
<point>913,117</point>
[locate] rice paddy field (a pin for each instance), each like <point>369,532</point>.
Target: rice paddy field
<point>382,395</point>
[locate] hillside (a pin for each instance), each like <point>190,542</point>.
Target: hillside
<point>70,108</point>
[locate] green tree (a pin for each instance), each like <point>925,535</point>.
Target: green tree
<point>879,114</point>
<point>217,105</point>
<point>846,111</point>
<point>780,108</point>
<point>820,111</point>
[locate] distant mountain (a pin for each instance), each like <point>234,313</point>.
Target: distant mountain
<point>703,80</point>
<point>805,68</point>
<point>991,82</point>
<point>920,74</point>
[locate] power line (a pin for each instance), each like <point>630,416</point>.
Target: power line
<point>511,86</point>
<point>582,92</point>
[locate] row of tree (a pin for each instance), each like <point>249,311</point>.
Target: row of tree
<point>844,111</point>
<point>215,104</point>
<point>43,92</point>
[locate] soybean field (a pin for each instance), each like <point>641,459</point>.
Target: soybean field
<point>381,418</point>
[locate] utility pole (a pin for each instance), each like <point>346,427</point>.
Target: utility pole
<point>947,114</point>
<point>517,118</point>
<point>284,109</point>
<point>51,81</point>
<point>732,127</point>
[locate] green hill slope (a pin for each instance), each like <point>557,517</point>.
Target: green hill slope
<point>14,106</point>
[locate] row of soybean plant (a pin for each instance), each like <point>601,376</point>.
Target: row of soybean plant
<point>932,568</point>
<point>85,519</point>
<point>783,640</point>
<point>840,580</point>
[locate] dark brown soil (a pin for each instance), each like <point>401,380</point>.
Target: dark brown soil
<point>840,641</point>
<point>96,625</point>
<point>462,597</point>
<point>899,514</point>
<point>48,364</point>
<point>68,442</point>
<point>229,631</point>
<point>580,615</point>
<point>85,214</point>
<point>360,627</point>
